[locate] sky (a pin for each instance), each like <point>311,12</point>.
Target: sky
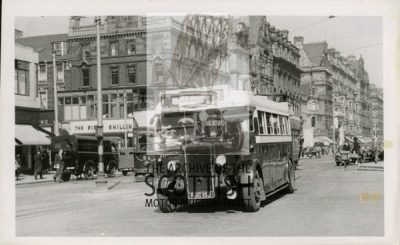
<point>349,35</point>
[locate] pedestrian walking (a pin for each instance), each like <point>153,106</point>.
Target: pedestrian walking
<point>59,165</point>
<point>375,149</point>
<point>17,166</point>
<point>356,148</point>
<point>38,164</point>
<point>346,148</point>
<point>45,159</point>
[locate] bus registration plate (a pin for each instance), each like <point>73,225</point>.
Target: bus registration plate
<point>201,195</point>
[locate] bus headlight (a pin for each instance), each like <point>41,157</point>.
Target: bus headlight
<point>173,165</point>
<point>221,160</point>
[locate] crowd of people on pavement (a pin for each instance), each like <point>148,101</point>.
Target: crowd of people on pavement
<point>41,161</point>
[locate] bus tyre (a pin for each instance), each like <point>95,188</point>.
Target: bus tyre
<point>89,170</point>
<point>111,169</point>
<point>66,176</point>
<point>291,177</point>
<point>252,193</point>
<point>165,204</point>
<point>124,173</point>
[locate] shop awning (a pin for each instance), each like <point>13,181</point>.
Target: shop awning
<point>28,135</point>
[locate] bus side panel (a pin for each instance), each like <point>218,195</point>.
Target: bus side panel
<point>268,168</point>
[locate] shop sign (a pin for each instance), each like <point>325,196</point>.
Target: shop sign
<point>109,126</point>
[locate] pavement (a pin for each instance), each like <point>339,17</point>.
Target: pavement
<point>328,201</point>
<point>25,179</point>
<point>379,166</point>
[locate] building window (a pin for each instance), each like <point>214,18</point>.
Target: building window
<point>133,21</point>
<point>132,74</point>
<point>131,47</point>
<point>114,75</point>
<point>21,77</point>
<point>313,122</point>
<point>75,108</point>
<point>313,91</point>
<point>85,77</point>
<point>57,48</point>
<point>43,99</point>
<point>85,51</point>
<point>42,76</point>
<point>60,72</point>
<point>114,49</point>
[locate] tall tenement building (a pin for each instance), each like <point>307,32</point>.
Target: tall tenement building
<point>338,92</point>
<point>316,84</point>
<point>376,96</point>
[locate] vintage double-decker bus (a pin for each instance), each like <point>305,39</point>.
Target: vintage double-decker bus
<point>219,141</point>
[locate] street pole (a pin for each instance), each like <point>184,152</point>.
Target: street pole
<point>100,181</point>
<point>125,120</point>
<point>334,134</point>
<point>55,93</point>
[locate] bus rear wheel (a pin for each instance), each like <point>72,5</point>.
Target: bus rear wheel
<point>252,193</point>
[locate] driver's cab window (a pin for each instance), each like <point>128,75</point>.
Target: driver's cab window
<point>107,146</point>
<point>114,148</point>
<point>142,142</point>
<point>255,122</point>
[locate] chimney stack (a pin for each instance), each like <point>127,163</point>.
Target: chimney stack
<point>285,34</point>
<point>298,42</point>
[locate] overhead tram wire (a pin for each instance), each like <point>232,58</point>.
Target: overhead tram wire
<point>314,23</point>
<point>363,47</point>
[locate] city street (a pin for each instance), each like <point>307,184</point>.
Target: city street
<point>328,202</point>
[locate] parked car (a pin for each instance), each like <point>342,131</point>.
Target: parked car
<point>81,155</point>
<point>313,152</point>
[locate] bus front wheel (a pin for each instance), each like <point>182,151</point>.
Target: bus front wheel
<point>252,193</point>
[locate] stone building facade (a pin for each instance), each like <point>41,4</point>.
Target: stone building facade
<point>338,91</point>
<point>316,84</point>
<point>376,96</point>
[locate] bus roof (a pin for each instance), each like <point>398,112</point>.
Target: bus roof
<point>227,98</point>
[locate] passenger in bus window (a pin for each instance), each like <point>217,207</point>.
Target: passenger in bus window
<point>271,123</point>
<point>276,124</point>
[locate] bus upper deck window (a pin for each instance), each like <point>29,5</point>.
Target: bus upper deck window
<point>276,124</point>
<point>260,116</point>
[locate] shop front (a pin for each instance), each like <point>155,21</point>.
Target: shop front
<point>28,140</point>
<point>118,129</point>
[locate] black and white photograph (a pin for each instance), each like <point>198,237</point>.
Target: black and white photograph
<point>225,123</point>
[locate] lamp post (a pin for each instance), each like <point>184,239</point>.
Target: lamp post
<point>56,131</point>
<point>100,181</point>
<point>125,122</point>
